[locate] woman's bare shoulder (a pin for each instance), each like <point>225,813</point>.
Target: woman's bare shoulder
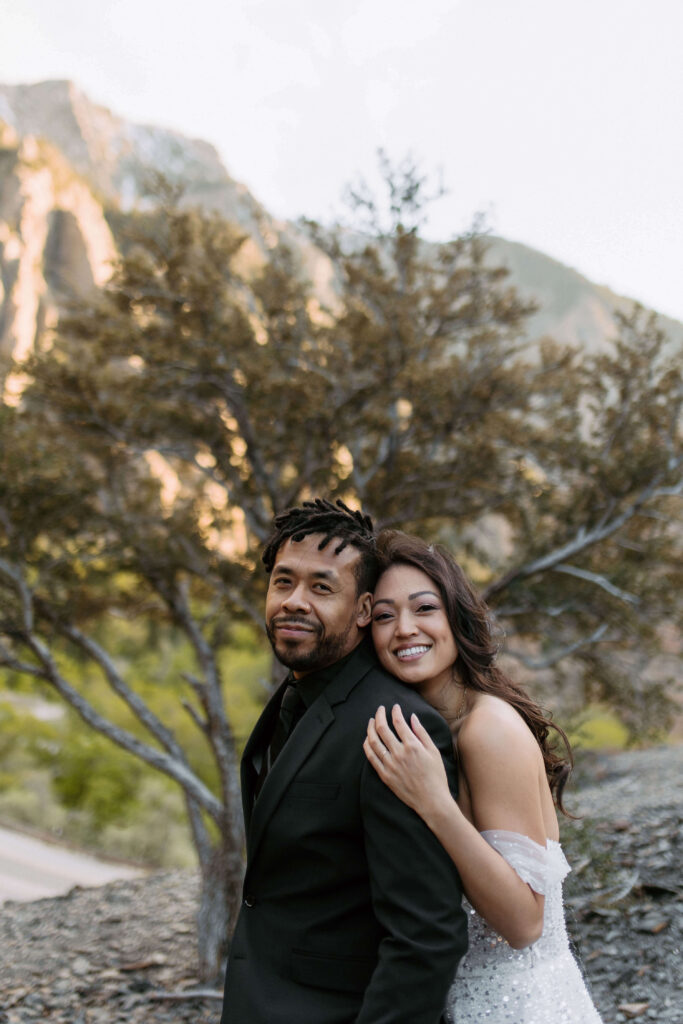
<point>493,728</point>
<point>503,766</point>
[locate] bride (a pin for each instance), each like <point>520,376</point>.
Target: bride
<point>431,631</point>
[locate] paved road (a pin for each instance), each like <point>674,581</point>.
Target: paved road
<point>31,869</point>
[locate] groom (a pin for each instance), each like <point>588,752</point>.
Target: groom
<point>351,911</point>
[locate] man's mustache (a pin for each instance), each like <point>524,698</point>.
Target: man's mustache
<point>295,620</point>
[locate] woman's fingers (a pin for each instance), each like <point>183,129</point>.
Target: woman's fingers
<point>394,753</point>
<point>400,724</point>
<point>384,730</point>
<point>377,745</point>
<point>372,757</point>
<point>421,733</point>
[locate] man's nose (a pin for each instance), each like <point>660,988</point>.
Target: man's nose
<point>297,599</point>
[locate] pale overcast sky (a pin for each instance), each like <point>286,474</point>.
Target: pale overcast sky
<point>560,121</point>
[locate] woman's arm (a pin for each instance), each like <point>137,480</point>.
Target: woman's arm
<point>500,759</point>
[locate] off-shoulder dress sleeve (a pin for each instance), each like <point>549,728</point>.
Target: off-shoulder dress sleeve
<point>539,866</point>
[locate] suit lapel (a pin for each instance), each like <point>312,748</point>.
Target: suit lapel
<point>314,723</point>
<point>255,751</point>
<point>317,719</point>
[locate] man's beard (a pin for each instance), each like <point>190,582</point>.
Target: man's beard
<point>328,649</point>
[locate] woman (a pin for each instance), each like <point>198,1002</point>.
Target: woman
<point>432,632</point>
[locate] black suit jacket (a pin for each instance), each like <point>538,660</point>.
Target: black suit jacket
<point>351,911</point>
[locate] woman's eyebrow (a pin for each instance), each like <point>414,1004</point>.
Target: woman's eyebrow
<point>419,593</point>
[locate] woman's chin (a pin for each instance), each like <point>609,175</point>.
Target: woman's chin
<point>412,674</point>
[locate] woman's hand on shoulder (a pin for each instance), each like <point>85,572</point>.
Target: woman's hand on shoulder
<point>408,762</point>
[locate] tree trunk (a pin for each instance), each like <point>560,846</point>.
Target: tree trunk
<point>219,903</point>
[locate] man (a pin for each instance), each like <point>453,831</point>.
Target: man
<point>351,910</point>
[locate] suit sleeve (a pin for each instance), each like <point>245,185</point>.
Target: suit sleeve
<point>417,895</point>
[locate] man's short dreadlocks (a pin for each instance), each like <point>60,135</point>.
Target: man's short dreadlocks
<point>334,521</point>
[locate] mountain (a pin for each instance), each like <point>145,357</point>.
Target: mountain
<point>64,160</point>
<point>572,309</point>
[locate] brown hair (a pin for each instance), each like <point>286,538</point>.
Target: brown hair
<point>470,622</point>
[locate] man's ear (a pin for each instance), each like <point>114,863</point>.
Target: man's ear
<point>364,610</point>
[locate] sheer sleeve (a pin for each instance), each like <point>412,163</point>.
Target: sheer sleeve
<point>538,866</point>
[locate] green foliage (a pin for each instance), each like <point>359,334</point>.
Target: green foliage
<point>598,729</point>
<point>89,773</point>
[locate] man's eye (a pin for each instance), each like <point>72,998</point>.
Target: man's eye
<point>279,580</point>
<point>323,586</point>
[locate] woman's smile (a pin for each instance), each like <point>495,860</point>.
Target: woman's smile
<point>412,653</point>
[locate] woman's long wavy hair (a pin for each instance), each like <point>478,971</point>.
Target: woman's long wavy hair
<point>470,622</point>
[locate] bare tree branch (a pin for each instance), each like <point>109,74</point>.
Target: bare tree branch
<point>8,660</point>
<point>171,766</point>
<point>139,708</point>
<point>200,722</point>
<point>23,591</point>
<point>559,653</point>
<point>582,540</point>
<point>600,581</point>
<point>219,731</point>
<point>174,766</point>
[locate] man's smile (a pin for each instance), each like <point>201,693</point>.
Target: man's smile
<point>292,629</point>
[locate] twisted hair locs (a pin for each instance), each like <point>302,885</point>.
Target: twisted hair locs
<point>333,521</point>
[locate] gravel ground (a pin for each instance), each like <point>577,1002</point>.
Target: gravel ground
<point>624,896</point>
<point>126,952</point>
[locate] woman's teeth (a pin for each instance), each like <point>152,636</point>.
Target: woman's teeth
<point>410,652</point>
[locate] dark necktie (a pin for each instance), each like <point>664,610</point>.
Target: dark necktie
<point>292,709</point>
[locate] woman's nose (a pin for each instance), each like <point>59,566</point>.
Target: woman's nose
<point>405,624</point>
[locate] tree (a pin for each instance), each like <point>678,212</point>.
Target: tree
<point>186,402</point>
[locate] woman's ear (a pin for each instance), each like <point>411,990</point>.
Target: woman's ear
<point>364,610</point>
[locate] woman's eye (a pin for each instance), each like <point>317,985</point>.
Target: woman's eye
<point>427,608</point>
<point>381,617</point>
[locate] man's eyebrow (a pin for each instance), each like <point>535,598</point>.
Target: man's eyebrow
<point>319,574</point>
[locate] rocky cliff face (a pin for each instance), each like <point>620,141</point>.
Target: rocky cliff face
<point>63,159</point>
<point>54,240</point>
<point>117,157</point>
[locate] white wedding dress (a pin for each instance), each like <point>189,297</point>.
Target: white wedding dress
<point>541,984</point>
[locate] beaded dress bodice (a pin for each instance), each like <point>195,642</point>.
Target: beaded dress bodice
<point>540,984</point>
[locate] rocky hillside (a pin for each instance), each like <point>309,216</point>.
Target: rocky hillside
<point>64,161</point>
